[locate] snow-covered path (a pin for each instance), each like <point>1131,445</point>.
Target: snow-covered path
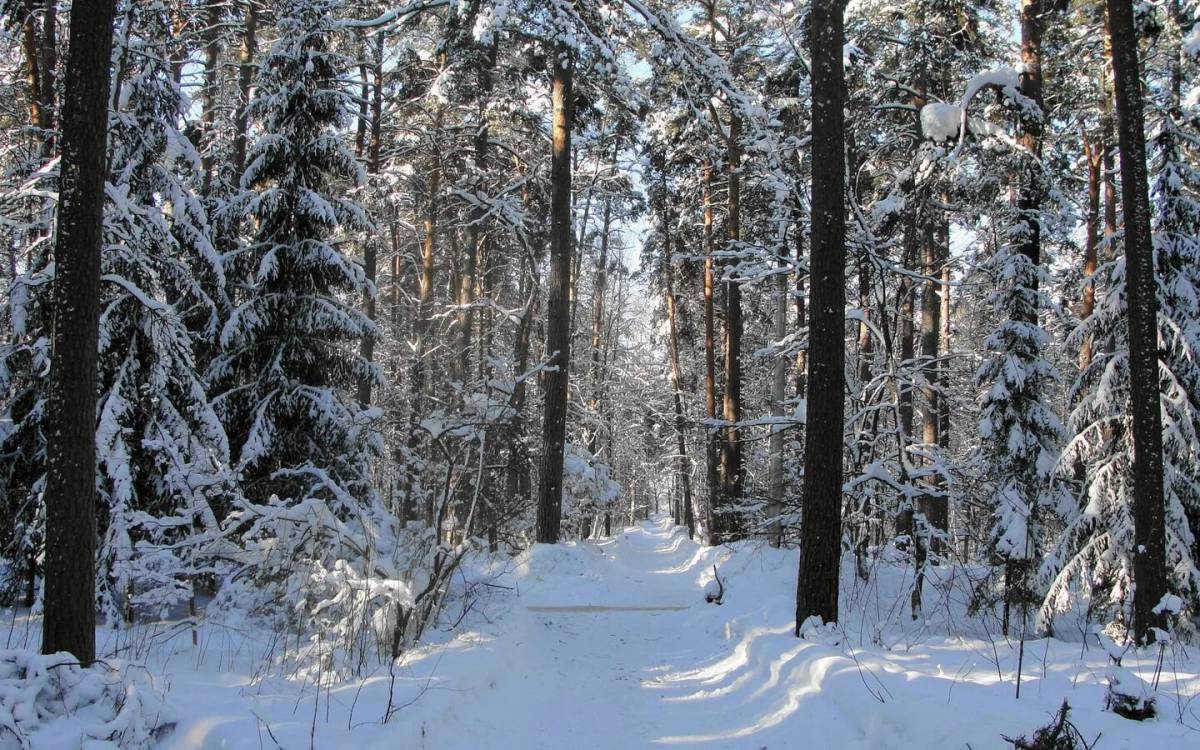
<point>610,645</point>
<point>586,651</point>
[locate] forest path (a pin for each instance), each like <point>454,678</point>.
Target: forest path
<point>611,645</point>
<point>585,640</point>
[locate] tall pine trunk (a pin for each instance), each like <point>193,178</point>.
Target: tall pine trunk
<point>775,482</point>
<point>69,617</point>
<point>1149,530</point>
<point>371,243</point>
<point>821,532</point>
<point>558,329</point>
<point>711,468</point>
<point>726,518</point>
<point>690,515</point>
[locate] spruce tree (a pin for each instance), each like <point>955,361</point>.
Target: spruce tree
<point>161,451</point>
<point>289,361</point>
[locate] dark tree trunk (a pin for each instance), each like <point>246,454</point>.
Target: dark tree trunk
<point>821,534</point>
<point>69,620</point>
<point>1149,558</point>
<point>558,330</point>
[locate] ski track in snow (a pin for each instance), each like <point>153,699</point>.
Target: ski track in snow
<point>611,645</point>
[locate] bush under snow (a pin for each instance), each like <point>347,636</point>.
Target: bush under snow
<point>51,701</point>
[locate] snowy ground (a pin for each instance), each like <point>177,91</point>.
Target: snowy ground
<point>611,645</point>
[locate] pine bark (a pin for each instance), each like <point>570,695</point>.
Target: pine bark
<point>69,618</point>
<point>208,110</point>
<point>820,546</point>
<point>1094,155</point>
<point>371,244</point>
<point>558,330</point>
<point>712,471</point>
<point>731,480</point>
<point>599,287</point>
<point>775,482</point>
<point>246,70</point>
<point>1149,553</point>
<point>690,514</point>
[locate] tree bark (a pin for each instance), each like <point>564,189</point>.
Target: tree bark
<point>821,536</point>
<point>420,370</point>
<point>558,331</point>
<point>690,514</point>
<point>39,45</point>
<point>712,471</point>
<point>69,619</point>
<point>246,70</point>
<point>1149,553</point>
<point>775,482</point>
<point>598,289</point>
<point>726,519</point>
<point>931,505</point>
<point>1094,155</point>
<point>208,110</point>
<point>371,243</point>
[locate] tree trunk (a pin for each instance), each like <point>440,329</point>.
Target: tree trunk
<point>558,330</point>
<point>211,36</point>
<point>1149,553</point>
<point>246,70</point>
<point>904,396</point>
<point>69,619</point>
<point>598,289</point>
<point>39,46</point>
<point>1109,147</point>
<point>944,372</point>
<point>371,243</point>
<point>821,536</point>
<point>931,505</point>
<point>710,358</point>
<point>690,514</point>
<point>420,371</point>
<point>1094,155</point>
<point>775,482</point>
<point>726,516</point>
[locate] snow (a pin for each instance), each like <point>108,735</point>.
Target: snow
<point>939,121</point>
<point>612,645</point>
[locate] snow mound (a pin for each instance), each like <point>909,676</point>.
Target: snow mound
<point>50,701</point>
